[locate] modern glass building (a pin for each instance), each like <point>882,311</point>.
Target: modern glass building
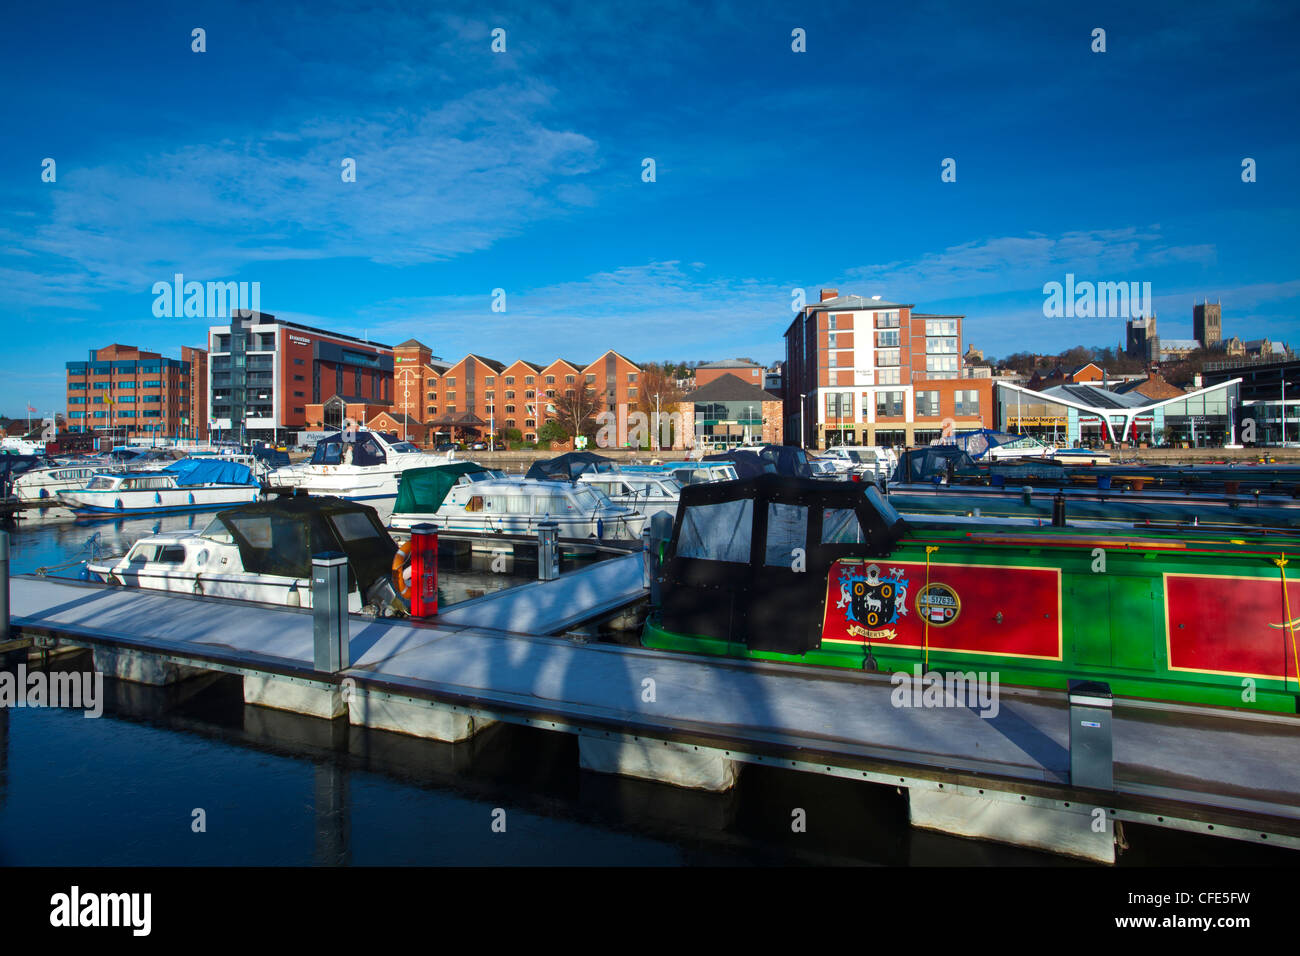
<point>1086,415</point>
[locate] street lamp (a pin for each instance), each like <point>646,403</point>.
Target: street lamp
<point>802,397</point>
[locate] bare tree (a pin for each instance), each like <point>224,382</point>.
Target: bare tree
<point>576,412</point>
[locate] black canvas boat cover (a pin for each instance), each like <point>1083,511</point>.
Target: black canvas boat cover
<point>280,536</point>
<point>570,465</point>
<point>748,465</point>
<point>925,464</point>
<point>784,460</point>
<point>749,559</point>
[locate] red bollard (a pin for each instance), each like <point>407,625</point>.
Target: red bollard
<point>424,570</point>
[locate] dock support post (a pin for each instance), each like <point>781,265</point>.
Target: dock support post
<point>548,551</point>
<point>330,652</point>
<point>1092,762</point>
<point>661,531</point>
<point>4,586</point>
<point>329,603</point>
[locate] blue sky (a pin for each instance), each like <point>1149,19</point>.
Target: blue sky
<point>522,170</point>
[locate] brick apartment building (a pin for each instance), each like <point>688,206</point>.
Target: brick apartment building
<point>269,375</point>
<point>864,371</point>
<point>476,395</point>
<point>131,393</point>
<point>746,371</point>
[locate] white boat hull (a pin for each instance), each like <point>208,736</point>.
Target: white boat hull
<point>149,500</point>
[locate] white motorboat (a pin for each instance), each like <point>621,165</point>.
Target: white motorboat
<point>499,505</point>
<point>262,552</point>
<point>42,483</point>
<point>646,493</point>
<point>190,484</point>
<point>365,465</point>
<point>864,460</point>
<point>1026,446</point>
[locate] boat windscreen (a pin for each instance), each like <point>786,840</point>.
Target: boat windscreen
<point>279,537</point>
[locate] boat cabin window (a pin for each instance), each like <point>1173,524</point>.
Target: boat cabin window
<point>588,498</point>
<point>368,452</point>
<point>143,553</point>
<point>717,532</point>
<point>216,531</point>
<point>354,526</point>
<point>404,448</point>
<point>840,526</point>
<point>172,554</point>
<point>328,453</point>
<point>787,529</point>
<point>475,503</point>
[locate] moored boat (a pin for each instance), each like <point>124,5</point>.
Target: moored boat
<point>186,485</point>
<point>262,552</point>
<point>831,574</point>
<point>362,466</point>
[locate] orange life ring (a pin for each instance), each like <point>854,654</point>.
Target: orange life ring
<point>400,560</point>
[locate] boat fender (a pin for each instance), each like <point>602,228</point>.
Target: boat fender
<point>191,497</point>
<point>600,527</point>
<point>157,497</point>
<point>118,504</point>
<point>400,560</point>
<point>45,492</point>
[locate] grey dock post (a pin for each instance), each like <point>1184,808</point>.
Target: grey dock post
<point>548,551</point>
<point>329,608</point>
<point>1092,762</point>
<point>4,586</point>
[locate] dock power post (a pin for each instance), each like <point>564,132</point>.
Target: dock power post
<point>424,571</point>
<point>1092,761</point>
<point>329,608</point>
<point>548,551</point>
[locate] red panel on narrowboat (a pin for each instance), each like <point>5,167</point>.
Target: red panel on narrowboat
<point>971,608</point>
<point>1229,625</point>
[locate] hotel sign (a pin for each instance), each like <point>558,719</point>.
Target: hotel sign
<point>298,340</point>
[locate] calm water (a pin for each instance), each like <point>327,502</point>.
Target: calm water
<point>278,788</point>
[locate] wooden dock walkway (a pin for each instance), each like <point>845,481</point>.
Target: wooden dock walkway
<point>693,721</point>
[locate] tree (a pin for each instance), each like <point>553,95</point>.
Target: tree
<point>576,413</point>
<point>552,431</point>
<point>658,382</point>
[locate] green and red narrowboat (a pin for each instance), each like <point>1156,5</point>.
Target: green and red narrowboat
<point>828,573</point>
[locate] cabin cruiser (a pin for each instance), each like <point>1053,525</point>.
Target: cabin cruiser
<point>359,465</point>
<point>186,485</point>
<point>262,552</point>
<point>499,505</point>
<point>41,483</point>
<point>862,459</point>
<point>1023,446</point>
<point>688,472</point>
<point>644,493</point>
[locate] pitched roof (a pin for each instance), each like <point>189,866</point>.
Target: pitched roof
<point>729,363</point>
<point>730,388</point>
<point>853,302</point>
<point>411,344</point>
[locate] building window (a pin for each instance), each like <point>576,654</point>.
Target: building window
<point>887,320</point>
<point>570,379</point>
<point>941,346</point>
<point>927,404</point>
<point>529,379</point>
<point>940,326</point>
<point>967,403</point>
<point>510,380</point>
<point>887,339</point>
<point>490,380</point>
<point>631,393</point>
<point>889,404</point>
<point>888,357</point>
<point>830,321</point>
<point>591,379</point>
<point>510,393</point>
<point>839,404</point>
<point>941,363</point>
<point>832,359</point>
<point>550,380</point>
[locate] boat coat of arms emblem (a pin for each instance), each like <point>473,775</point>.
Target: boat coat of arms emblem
<point>871,603</point>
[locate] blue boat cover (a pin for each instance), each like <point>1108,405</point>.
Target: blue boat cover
<point>210,471</point>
